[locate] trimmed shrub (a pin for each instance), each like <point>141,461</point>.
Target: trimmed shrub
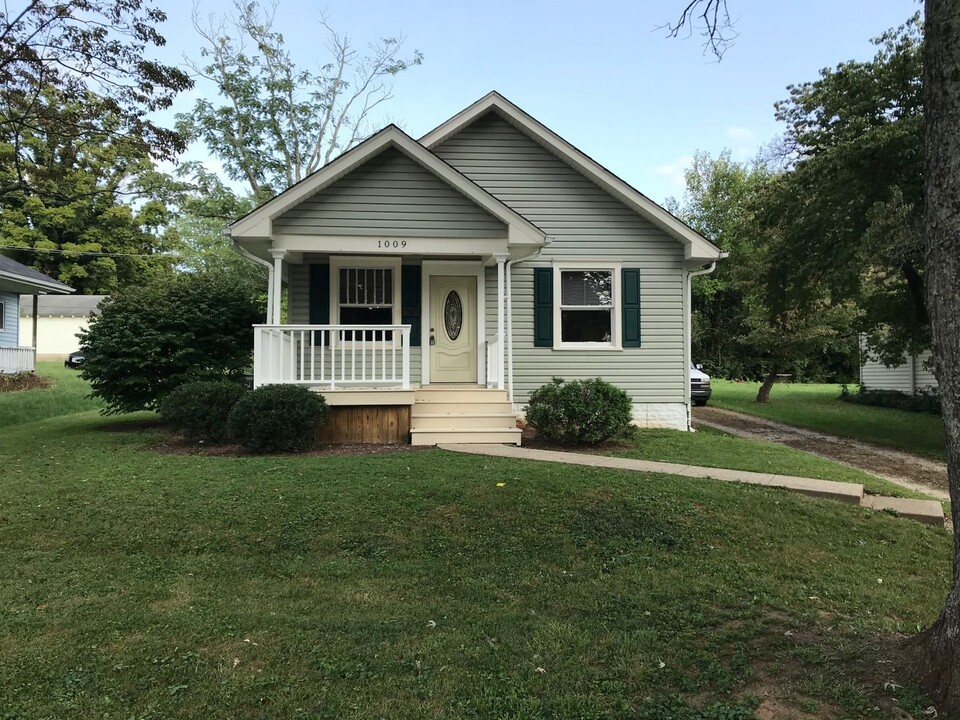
<point>277,418</point>
<point>582,412</point>
<point>199,410</point>
<point>149,340</point>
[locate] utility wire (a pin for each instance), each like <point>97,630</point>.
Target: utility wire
<point>87,252</point>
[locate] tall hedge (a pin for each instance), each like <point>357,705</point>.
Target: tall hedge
<point>149,340</point>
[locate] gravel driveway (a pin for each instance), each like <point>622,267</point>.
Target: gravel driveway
<point>910,471</point>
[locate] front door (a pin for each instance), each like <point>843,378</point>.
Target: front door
<point>453,329</point>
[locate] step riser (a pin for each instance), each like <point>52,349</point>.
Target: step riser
<point>429,397</point>
<point>461,409</point>
<point>436,437</point>
<point>466,421</point>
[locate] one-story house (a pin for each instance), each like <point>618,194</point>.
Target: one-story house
<point>911,376</point>
<point>432,284</point>
<point>61,318</point>
<point>17,280</point>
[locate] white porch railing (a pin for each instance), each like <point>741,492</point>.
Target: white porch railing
<point>376,356</point>
<point>493,362</point>
<point>17,359</point>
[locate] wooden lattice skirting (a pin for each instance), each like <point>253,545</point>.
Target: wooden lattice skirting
<point>369,424</point>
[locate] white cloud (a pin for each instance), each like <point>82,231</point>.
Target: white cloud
<point>673,173</point>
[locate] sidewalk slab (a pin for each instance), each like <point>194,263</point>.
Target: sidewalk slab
<point>928,511</point>
<point>925,511</point>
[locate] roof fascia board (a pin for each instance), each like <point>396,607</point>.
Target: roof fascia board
<point>52,286</point>
<point>697,246</point>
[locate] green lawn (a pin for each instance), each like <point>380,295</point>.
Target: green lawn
<point>139,584</point>
<point>817,407</point>
<point>713,448</point>
<point>67,395</point>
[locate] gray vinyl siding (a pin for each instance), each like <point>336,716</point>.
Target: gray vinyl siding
<point>298,310</point>
<point>9,334</point>
<point>391,196</point>
<point>587,224</point>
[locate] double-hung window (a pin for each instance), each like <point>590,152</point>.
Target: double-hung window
<point>587,307</point>
<point>366,294</point>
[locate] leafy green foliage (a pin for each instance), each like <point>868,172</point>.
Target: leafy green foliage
<point>925,401</point>
<point>75,212</point>
<point>742,327</point>
<point>851,211</point>
<point>77,50</point>
<point>149,340</point>
<point>199,410</point>
<point>580,411</point>
<point>277,418</point>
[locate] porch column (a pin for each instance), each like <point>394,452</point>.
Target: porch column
<point>276,292</point>
<point>501,294</point>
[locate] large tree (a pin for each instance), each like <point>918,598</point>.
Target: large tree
<point>78,48</point>
<point>938,648</point>
<point>77,221</point>
<point>276,120</point>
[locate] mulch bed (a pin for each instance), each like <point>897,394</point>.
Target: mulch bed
<point>530,439</point>
<point>173,445</point>
<point>23,381</point>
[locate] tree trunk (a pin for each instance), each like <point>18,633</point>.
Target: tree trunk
<point>938,660</point>
<point>763,395</point>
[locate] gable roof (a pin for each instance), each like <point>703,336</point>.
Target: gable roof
<point>696,246</point>
<point>25,280</point>
<point>258,224</point>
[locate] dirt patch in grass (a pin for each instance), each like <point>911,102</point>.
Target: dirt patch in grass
<point>917,473</point>
<point>530,439</point>
<point>18,382</point>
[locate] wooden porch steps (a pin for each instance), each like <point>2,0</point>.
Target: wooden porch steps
<point>462,414</point>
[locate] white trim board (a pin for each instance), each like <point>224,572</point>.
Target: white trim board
<point>696,246</point>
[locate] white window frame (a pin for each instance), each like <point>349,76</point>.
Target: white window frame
<point>616,311</point>
<point>365,262</point>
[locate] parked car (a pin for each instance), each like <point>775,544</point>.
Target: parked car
<point>74,359</point>
<point>700,389</point>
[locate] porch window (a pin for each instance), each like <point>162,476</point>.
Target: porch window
<point>586,307</point>
<point>366,296</point>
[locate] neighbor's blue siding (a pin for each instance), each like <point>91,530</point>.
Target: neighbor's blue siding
<point>11,319</point>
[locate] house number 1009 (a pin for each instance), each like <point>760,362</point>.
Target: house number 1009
<point>386,244</point>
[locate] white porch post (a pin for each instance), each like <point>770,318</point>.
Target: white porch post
<point>276,291</point>
<point>501,294</point>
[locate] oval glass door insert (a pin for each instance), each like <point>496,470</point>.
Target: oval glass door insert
<point>452,315</point>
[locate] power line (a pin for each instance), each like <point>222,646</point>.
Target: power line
<point>87,252</point>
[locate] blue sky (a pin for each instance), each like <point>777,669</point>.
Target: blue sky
<point>597,73</point>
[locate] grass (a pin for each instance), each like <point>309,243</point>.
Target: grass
<point>142,584</point>
<point>713,448</point>
<point>817,407</point>
<point>68,394</point>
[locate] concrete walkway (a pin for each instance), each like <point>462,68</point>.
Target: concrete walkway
<point>926,511</point>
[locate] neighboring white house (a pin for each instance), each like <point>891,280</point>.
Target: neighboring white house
<point>437,282</point>
<point>17,280</point>
<point>61,318</point>
<point>911,376</point>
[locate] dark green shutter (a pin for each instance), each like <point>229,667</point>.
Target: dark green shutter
<point>631,307</point>
<point>410,306</point>
<point>320,294</point>
<point>543,307</point>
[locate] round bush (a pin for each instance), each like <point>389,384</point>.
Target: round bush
<point>582,412</point>
<point>276,418</point>
<point>199,410</point>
